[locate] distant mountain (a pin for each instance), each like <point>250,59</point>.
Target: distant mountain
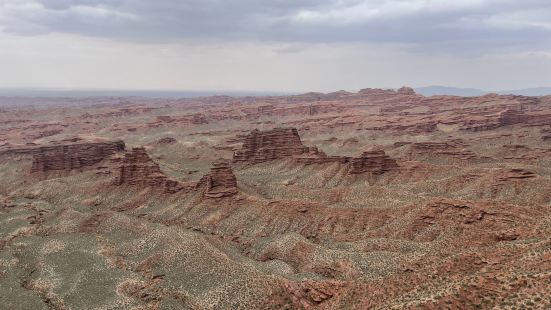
<point>471,92</point>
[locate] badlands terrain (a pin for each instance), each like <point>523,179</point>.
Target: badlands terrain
<point>380,199</point>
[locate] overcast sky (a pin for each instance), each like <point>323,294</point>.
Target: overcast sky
<point>274,45</point>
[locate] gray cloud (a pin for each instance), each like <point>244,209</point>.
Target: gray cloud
<point>468,25</point>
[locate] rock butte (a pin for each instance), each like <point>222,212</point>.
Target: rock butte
<point>220,182</point>
<point>139,169</point>
<point>68,157</point>
<point>375,162</point>
<point>261,146</point>
<point>166,140</point>
<point>280,143</point>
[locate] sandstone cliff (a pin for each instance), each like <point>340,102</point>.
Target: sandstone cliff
<point>67,157</point>
<point>374,162</point>
<point>262,146</point>
<point>220,182</point>
<point>139,169</point>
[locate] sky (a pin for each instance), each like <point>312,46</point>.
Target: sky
<point>274,45</point>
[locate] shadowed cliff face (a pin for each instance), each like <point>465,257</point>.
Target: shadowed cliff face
<point>380,199</point>
<point>72,156</point>
<point>261,146</point>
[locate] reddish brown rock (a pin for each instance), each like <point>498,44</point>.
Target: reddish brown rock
<point>507,117</point>
<point>166,140</point>
<point>220,182</point>
<point>375,162</point>
<point>308,294</point>
<point>511,117</point>
<point>319,157</point>
<point>191,119</point>
<point>546,134</point>
<point>450,149</point>
<point>262,146</point>
<point>406,91</point>
<point>517,174</point>
<point>67,157</point>
<point>483,219</point>
<point>286,143</point>
<point>139,169</point>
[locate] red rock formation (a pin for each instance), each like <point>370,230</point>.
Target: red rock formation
<point>319,157</point>
<point>285,143</point>
<point>166,140</point>
<point>511,117</point>
<point>308,294</point>
<point>546,134</point>
<point>374,162</point>
<point>262,146</point>
<point>191,119</point>
<point>486,221</point>
<point>406,91</point>
<point>517,174</point>
<point>67,157</point>
<point>220,182</point>
<point>139,169</point>
<point>453,149</point>
<point>507,117</point>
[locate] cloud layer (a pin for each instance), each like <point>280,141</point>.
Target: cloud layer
<point>281,45</point>
<point>438,23</point>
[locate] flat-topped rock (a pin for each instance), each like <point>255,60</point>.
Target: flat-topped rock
<point>66,157</point>
<point>447,148</point>
<point>139,169</point>
<point>375,162</point>
<point>406,91</point>
<point>166,140</point>
<point>261,146</point>
<point>517,174</point>
<point>219,182</point>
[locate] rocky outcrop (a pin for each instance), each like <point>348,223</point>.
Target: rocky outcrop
<point>478,221</point>
<point>191,119</point>
<point>453,149</point>
<point>67,157</point>
<point>262,146</point>
<point>546,134</point>
<point>286,143</point>
<point>220,182</point>
<point>308,294</point>
<point>408,91</point>
<point>517,174</point>
<point>375,162</point>
<point>507,117</point>
<point>166,140</point>
<point>319,157</point>
<point>511,117</point>
<point>139,169</point>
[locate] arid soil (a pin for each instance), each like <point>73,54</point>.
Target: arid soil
<point>379,199</point>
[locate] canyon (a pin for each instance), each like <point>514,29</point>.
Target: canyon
<point>376,199</point>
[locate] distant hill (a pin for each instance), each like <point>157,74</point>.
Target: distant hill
<point>471,92</point>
